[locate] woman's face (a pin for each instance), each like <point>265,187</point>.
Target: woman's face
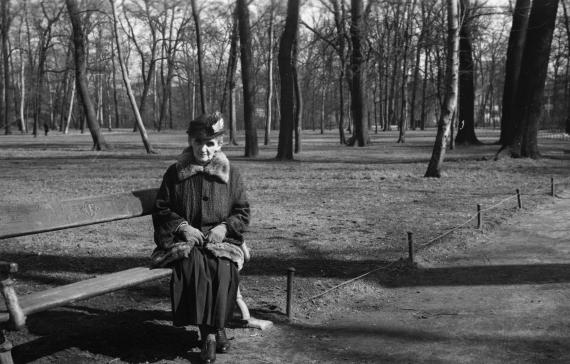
<point>204,149</point>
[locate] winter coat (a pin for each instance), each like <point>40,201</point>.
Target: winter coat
<point>203,196</point>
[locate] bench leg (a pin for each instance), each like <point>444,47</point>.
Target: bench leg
<point>242,306</point>
<point>17,317</point>
<point>245,316</point>
<point>5,350</point>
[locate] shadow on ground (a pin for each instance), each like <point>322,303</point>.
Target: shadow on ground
<point>32,266</point>
<point>134,336</point>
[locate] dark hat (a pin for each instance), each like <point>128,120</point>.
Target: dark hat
<point>207,126</point>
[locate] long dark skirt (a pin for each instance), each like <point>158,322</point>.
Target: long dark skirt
<point>203,289</point>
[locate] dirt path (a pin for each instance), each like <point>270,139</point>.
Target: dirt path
<point>502,299</point>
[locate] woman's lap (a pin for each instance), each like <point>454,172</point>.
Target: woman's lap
<point>203,289</point>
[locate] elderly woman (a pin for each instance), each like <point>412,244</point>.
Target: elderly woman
<point>202,212</point>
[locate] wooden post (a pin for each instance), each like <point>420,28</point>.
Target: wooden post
<point>552,187</point>
<point>519,198</point>
<point>411,247</point>
<point>479,218</point>
<point>290,275</point>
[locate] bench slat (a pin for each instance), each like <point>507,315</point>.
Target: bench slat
<point>27,219</point>
<point>57,296</point>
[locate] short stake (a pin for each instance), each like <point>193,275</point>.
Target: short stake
<point>519,201</point>
<point>411,247</point>
<point>290,275</point>
<point>479,217</point>
<point>552,187</point>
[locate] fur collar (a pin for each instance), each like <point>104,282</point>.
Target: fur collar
<point>219,166</point>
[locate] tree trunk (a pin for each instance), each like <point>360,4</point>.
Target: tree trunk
<point>127,84</point>
<point>23,121</point>
<point>515,50</point>
<point>196,17</point>
<point>403,124</point>
<point>341,45</point>
<point>466,121</point>
<point>449,104</point>
<point>567,27</point>
<point>232,60</point>
<point>323,99</point>
<point>358,67</point>
<point>269,96</point>
<point>7,84</point>
<point>534,68</point>
<point>416,76</point>
<point>251,148</point>
<point>298,104</point>
<point>115,95</point>
<point>70,110</point>
<point>78,35</point>
<point>286,62</point>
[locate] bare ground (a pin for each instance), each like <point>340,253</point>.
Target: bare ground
<point>493,295</point>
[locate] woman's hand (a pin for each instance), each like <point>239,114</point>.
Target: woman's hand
<point>217,234</point>
<point>190,234</point>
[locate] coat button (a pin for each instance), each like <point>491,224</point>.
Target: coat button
<point>205,198</point>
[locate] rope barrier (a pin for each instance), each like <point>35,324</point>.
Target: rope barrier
<point>567,180</point>
<point>347,282</point>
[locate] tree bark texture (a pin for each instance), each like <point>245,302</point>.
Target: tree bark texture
<point>251,147</point>
<point>466,121</point>
<point>286,62</point>
<point>534,67</point>
<point>358,67</point>
<point>298,104</point>
<point>515,50</point>
<point>450,101</point>
<point>566,89</point>
<point>7,84</point>
<point>78,36</point>
<point>269,96</point>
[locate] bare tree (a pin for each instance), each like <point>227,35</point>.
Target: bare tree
<point>7,84</point>
<point>45,39</point>
<point>80,53</point>
<point>567,28</point>
<point>196,16</point>
<point>466,129</point>
<point>286,72</point>
<point>534,67</point>
<point>515,50</point>
<point>298,103</point>
<point>269,97</point>
<point>247,79</point>
<point>127,83</point>
<point>148,57</point>
<point>450,102</point>
<point>358,65</point>
<point>230,85</point>
<point>172,37</point>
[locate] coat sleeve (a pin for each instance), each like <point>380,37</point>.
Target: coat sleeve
<point>238,218</point>
<point>164,219</point>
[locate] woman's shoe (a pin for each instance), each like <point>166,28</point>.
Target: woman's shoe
<point>222,342</point>
<point>208,354</point>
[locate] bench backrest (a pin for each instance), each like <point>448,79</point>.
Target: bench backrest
<point>33,218</point>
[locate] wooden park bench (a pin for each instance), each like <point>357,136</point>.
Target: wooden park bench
<point>35,218</point>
